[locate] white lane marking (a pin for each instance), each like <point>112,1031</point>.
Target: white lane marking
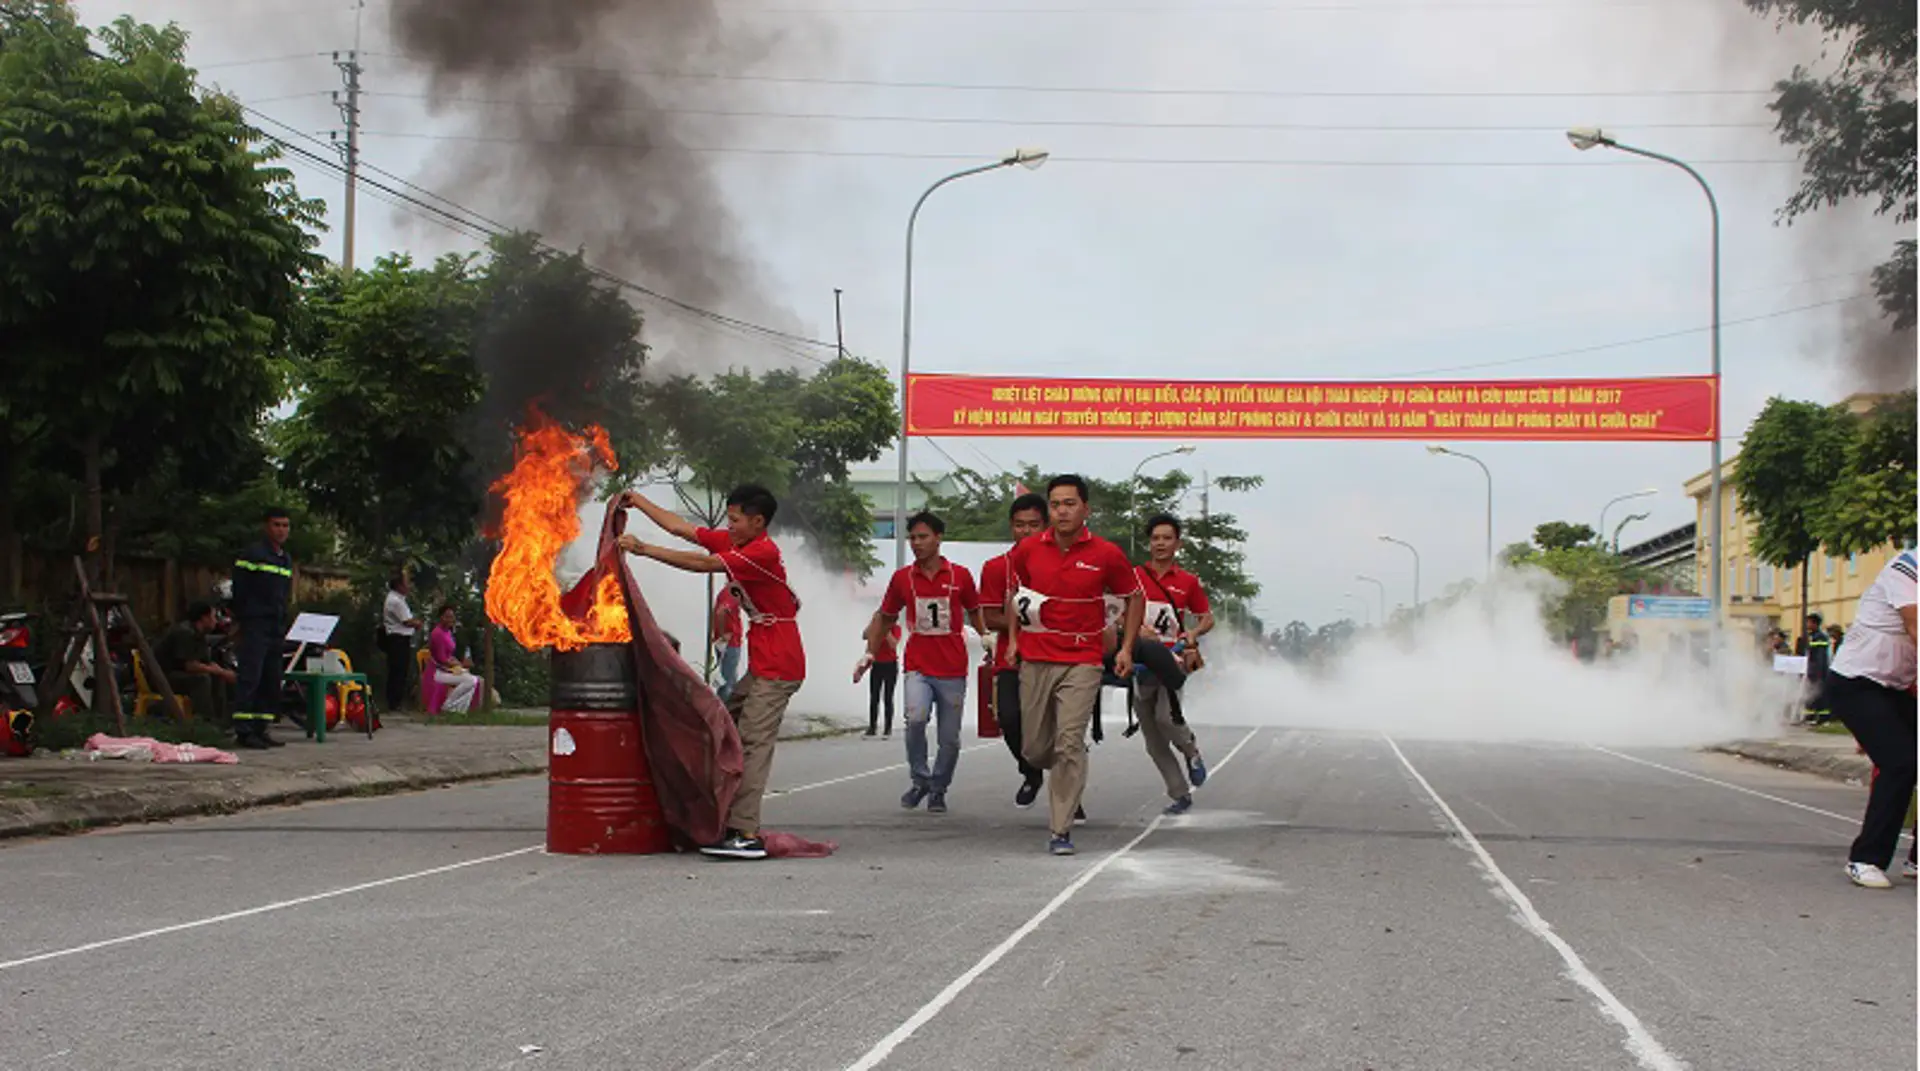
<point>1717,781</point>
<point>281,905</point>
<point>1646,1050</point>
<point>278,905</point>
<point>771,793</point>
<point>879,1053</point>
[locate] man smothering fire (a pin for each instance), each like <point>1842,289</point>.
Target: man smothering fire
<point>776,663</point>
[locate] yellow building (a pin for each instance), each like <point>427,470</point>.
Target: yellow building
<point>1762,595</point>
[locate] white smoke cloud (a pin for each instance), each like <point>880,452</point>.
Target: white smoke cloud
<point>1484,669</point>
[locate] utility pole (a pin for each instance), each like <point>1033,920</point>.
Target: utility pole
<point>349,105</point>
<point>839,328</point>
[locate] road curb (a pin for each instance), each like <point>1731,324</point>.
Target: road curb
<point>1832,763</point>
<point>93,808</point>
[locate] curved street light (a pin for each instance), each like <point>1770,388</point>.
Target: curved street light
<point>1440,450</point>
<point>1584,138</point>
<point>1416,565</point>
<point>1600,533</point>
<point>1133,484</point>
<point>1027,158</point>
<point>1366,612</point>
<point>1363,578</point>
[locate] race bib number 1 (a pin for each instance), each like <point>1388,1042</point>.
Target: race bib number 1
<point>932,615</point>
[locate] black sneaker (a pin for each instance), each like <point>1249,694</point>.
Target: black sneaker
<point>1029,791</point>
<point>1079,816</point>
<point>937,803</point>
<point>266,738</point>
<point>737,846</point>
<point>911,797</point>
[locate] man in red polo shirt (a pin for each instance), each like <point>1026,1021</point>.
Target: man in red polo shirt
<point>1172,597</point>
<point>1025,517</point>
<point>938,596</point>
<point>776,663</point>
<point>1058,611</point>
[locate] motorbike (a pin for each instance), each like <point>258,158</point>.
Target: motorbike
<point>18,677</point>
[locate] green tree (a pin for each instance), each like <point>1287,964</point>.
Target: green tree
<point>150,252</point>
<point>1853,124</point>
<point>385,388</point>
<point>1872,502</point>
<point>1562,535</point>
<point>1213,543</point>
<point>1790,459</point>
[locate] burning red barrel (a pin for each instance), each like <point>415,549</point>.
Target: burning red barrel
<point>600,797</point>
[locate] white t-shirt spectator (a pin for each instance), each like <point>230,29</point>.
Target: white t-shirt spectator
<point>1877,647</point>
<point>396,614</point>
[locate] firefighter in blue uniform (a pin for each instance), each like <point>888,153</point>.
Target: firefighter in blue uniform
<point>262,587</point>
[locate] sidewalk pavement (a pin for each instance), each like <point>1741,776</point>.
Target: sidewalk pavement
<point>66,793</point>
<point>1832,755</point>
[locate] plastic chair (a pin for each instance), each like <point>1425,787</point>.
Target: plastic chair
<point>145,696</point>
<point>334,660</point>
<point>432,694</point>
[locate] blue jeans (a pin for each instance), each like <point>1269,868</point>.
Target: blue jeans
<point>729,672</point>
<point>926,696</point>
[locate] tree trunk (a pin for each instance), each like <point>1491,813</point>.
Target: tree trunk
<point>90,457</point>
<point>10,559</point>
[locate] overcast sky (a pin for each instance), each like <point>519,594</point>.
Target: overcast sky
<point>1275,231</point>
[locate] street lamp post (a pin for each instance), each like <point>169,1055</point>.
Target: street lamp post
<point>1489,475</point>
<point>1584,138</point>
<point>1383,592</point>
<point>1416,565</point>
<point>1133,483</point>
<point>1366,612</point>
<point>1600,533</point>
<point>1028,158</point>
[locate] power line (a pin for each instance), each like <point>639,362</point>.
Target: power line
<point>1663,336</point>
<point>1139,91</point>
<point>860,154</point>
<point>1128,124</point>
<point>222,64</point>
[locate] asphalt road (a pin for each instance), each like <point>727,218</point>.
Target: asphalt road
<point>1334,901</point>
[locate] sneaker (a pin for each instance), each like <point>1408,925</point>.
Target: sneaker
<point>1868,876</point>
<point>1179,806</point>
<point>937,803</point>
<point>1029,791</point>
<point>1079,816</point>
<point>1909,871</point>
<point>912,797</point>
<point>870,735</point>
<point>1060,846</point>
<point>737,846</point>
<point>1196,771</point>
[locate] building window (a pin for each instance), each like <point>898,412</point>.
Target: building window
<point>1766,582</point>
<point>1829,569</point>
<point>1853,565</point>
<point>1737,579</point>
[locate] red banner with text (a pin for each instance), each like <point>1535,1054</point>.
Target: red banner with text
<point>1673,409</point>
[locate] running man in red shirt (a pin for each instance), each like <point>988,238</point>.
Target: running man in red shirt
<point>1173,596</point>
<point>728,634</point>
<point>1025,517</point>
<point>940,596</point>
<point>776,663</point>
<point>884,664</point>
<point>1058,612</point>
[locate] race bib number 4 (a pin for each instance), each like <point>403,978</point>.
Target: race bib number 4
<point>1163,621</point>
<point>932,615</point>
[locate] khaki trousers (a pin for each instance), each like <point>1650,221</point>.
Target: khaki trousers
<point>1056,704</point>
<point>1153,705</point>
<point>757,706</point>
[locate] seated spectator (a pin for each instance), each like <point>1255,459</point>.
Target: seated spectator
<point>188,663</point>
<point>451,672</point>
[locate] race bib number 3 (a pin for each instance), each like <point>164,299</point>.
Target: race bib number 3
<point>932,615</point>
<point>1027,604</point>
<point>1163,621</point>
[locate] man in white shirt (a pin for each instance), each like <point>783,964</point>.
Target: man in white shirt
<point>397,626</point>
<point>1870,689</point>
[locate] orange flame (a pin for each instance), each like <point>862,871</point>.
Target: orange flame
<point>551,470</point>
